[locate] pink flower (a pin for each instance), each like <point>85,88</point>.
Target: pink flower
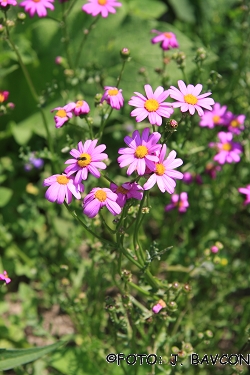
<point>187,178</point>
<point>62,187</point>
<point>152,106</point>
<point>228,150</point>
<point>5,277</point>
<point>214,249</point>
<point>140,152</point>
<point>159,306</point>
<point>63,114</point>
<point>37,6</point>
<point>86,159</point>
<point>113,97</point>
<point>99,198</point>
<point>168,40</point>
<point>245,190</point>
<point>214,117</point>
<point>211,169</point>
<point>164,173</point>
<point>180,201</point>
<point>3,96</point>
<point>103,7</point>
<point>4,3</point>
<point>126,191</point>
<point>235,122</point>
<point>81,108</point>
<point>188,98</point>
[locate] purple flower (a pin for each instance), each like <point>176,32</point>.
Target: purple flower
<point>152,106</point>
<point>5,277</point>
<point>235,122</point>
<point>141,152</point>
<point>81,108</point>
<point>37,6</point>
<point>180,201</point>
<point>113,97</point>
<point>188,98</point>
<point>87,159</point>
<point>3,94</point>
<point>34,162</point>
<point>168,40</point>
<point>159,306</point>
<point>211,169</point>
<point>126,191</point>
<point>245,190</point>
<point>215,117</point>
<point>187,178</point>
<point>62,187</point>
<point>4,3</point>
<point>63,114</point>
<point>103,7</point>
<point>99,198</point>
<point>164,172</point>
<point>228,150</point>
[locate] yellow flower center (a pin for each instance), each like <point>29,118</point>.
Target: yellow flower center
<point>84,160</point>
<point>79,103</point>
<point>113,92</point>
<point>151,105</point>
<point>61,113</point>
<point>216,119</point>
<point>190,99</point>
<point>234,123</point>
<point>36,1</point>
<point>121,190</point>
<point>160,169</point>
<point>62,180</point>
<point>1,97</point>
<point>101,195</point>
<point>168,35</point>
<point>141,152</point>
<point>226,147</point>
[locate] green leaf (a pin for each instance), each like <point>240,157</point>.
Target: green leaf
<point>147,8</point>
<point>5,195</point>
<point>10,358</point>
<point>21,134</point>
<point>183,10</point>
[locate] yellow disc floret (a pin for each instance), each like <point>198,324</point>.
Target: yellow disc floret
<point>168,35</point>
<point>101,195</point>
<point>61,113</point>
<point>234,123</point>
<point>190,99</point>
<point>216,119</point>
<point>62,180</point>
<point>79,103</point>
<point>1,97</point>
<point>84,160</point>
<point>113,92</point>
<point>122,190</point>
<point>151,105</point>
<point>160,169</point>
<point>141,152</point>
<point>226,147</point>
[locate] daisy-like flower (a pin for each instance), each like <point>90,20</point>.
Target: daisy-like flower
<point>5,277</point>
<point>113,97</point>
<point>4,3</point>
<point>228,150</point>
<point>152,106</point>
<point>164,173</point>
<point>180,201</point>
<point>235,122</point>
<point>81,108</point>
<point>214,117</point>
<point>245,190</point>
<point>99,198</point>
<point>37,6</point>
<point>188,98</point>
<point>141,152</point>
<point>168,40</point>
<point>86,159</point>
<point>103,7</point>
<point>159,306</point>
<point>126,191</point>
<point>211,169</point>
<point>63,114</point>
<point>62,187</point>
<point>3,94</point>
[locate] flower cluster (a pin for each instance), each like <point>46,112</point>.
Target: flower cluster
<point>63,114</point>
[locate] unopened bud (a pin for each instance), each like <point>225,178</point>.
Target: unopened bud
<point>173,123</point>
<point>187,288</point>
<point>125,53</point>
<point>172,306</point>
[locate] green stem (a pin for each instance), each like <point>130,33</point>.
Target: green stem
<point>85,36</point>
<point>73,213</point>
<point>105,224</point>
<point>121,73</point>
<point>90,127</point>
<point>104,122</point>
<point>30,84</point>
<point>66,38</point>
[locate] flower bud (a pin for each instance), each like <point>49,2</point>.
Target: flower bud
<point>187,288</point>
<point>159,306</point>
<point>126,276</point>
<point>125,53</point>
<point>173,123</point>
<point>209,334</point>
<point>172,306</point>
<point>21,16</point>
